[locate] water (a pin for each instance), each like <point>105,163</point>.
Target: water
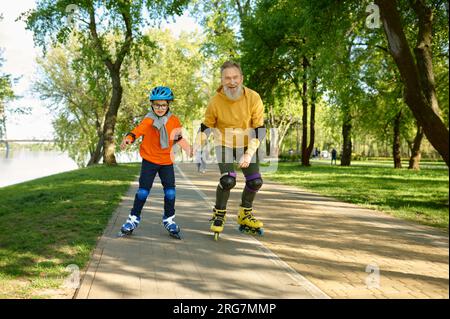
<point>24,165</point>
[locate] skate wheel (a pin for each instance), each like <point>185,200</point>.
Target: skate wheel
<point>260,232</point>
<point>123,234</point>
<point>177,236</point>
<point>216,236</point>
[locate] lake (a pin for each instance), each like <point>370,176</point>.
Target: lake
<point>23,165</point>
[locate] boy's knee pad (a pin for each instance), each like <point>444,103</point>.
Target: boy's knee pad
<point>169,193</point>
<point>253,182</point>
<point>142,193</point>
<point>228,181</point>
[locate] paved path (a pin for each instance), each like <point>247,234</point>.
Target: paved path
<point>314,247</point>
<point>150,264</point>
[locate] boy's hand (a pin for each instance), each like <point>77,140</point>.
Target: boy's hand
<point>191,151</point>
<point>124,143</point>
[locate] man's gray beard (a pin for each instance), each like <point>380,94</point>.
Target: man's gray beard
<point>232,96</point>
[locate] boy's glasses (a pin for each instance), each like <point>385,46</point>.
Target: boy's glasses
<point>160,106</point>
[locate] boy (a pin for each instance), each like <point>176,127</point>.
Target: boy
<point>161,130</point>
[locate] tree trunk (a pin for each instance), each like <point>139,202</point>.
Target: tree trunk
<point>414,160</point>
<point>312,130</point>
<point>283,130</point>
<point>114,72</point>
<point>434,128</point>
<point>422,52</point>
<point>424,60</point>
<point>96,156</point>
<point>110,119</point>
<point>305,155</point>
<point>396,144</point>
<point>346,157</point>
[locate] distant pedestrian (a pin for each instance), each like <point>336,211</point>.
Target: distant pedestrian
<point>333,156</point>
<point>291,152</point>
<point>200,161</point>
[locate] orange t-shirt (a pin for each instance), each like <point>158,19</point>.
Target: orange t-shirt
<point>150,148</point>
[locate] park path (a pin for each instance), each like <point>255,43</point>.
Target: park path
<point>313,247</point>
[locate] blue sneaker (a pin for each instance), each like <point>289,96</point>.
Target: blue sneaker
<point>172,228</point>
<point>131,224</point>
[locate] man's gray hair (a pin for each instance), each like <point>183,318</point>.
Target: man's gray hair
<point>230,64</point>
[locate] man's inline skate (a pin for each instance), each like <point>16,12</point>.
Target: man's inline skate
<point>218,221</point>
<point>130,224</point>
<point>248,223</point>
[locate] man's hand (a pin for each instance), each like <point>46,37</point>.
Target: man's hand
<point>245,160</point>
<point>124,143</point>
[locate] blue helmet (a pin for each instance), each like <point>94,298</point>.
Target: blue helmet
<point>161,93</point>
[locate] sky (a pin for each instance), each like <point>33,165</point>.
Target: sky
<point>20,61</point>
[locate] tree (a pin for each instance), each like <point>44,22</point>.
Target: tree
<point>6,95</point>
<point>222,25</point>
<point>417,75</point>
<point>96,20</point>
<point>77,91</point>
<point>281,61</point>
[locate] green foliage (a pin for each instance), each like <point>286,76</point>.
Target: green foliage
<point>356,75</point>
<point>49,21</point>
<point>221,24</point>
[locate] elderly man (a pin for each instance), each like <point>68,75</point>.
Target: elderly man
<point>236,116</point>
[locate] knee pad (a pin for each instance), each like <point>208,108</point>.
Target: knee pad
<point>228,181</point>
<point>253,182</point>
<point>142,193</point>
<point>169,193</point>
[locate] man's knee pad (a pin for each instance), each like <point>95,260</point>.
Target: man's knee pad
<point>142,193</point>
<point>228,181</point>
<point>253,182</point>
<point>169,193</point>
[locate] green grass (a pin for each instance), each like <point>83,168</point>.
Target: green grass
<point>421,196</point>
<point>52,222</point>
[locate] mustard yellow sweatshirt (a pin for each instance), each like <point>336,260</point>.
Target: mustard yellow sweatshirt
<point>234,121</point>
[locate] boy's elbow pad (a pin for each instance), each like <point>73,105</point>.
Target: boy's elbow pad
<point>131,137</point>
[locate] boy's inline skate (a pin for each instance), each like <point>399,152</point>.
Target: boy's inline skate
<point>130,224</point>
<point>218,221</point>
<point>248,223</point>
<point>171,227</point>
